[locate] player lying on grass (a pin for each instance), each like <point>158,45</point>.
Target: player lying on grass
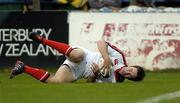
<point>107,65</point>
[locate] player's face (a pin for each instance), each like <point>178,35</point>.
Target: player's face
<point>129,72</point>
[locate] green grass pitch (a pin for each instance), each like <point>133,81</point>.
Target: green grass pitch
<point>24,89</point>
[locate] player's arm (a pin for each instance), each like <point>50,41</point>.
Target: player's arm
<point>103,49</point>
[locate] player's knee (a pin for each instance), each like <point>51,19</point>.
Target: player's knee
<point>77,58</point>
<point>76,55</point>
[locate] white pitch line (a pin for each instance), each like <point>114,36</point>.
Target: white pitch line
<point>166,96</point>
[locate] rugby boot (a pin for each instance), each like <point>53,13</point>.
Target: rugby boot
<point>18,69</point>
<point>36,37</point>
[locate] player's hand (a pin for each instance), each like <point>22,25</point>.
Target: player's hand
<point>95,69</point>
<point>106,68</point>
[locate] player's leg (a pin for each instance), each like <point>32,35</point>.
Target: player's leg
<point>37,73</point>
<point>75,55</point>
<point>63,75</point>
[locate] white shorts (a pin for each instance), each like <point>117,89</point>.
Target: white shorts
<point>83,69</point>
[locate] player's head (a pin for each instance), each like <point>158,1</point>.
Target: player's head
<point>134,73</point>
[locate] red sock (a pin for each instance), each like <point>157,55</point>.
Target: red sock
<point>61,47</point>
<point>39,74</point>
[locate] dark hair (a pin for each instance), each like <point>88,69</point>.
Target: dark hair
<point>140,74</point>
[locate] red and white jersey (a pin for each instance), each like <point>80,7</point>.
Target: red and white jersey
<point>119,61</point>
<point>82,70</point>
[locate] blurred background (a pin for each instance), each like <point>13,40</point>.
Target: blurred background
<point>147,31</point>
<point>34,5</point>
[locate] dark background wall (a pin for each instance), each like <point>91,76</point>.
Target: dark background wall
<point>15,44</point>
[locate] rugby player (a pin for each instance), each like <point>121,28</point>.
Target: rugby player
<point>107,65</point>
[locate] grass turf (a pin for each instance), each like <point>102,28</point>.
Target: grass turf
<point>24,89</point>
